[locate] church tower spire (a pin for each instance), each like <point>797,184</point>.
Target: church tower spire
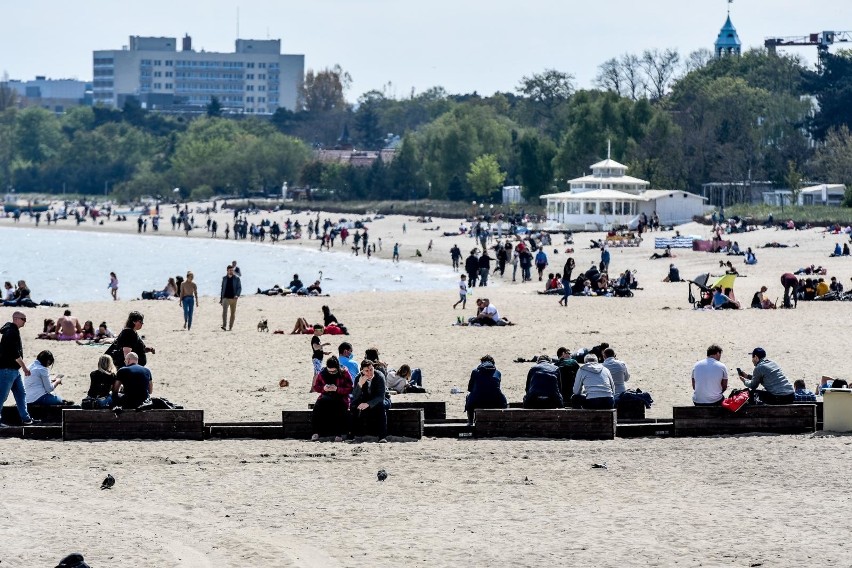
<point>728,42</point>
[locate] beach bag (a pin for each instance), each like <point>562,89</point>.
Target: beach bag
<point>116,352</point>
<point>736,400</point>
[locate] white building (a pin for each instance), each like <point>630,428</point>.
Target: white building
<point>609,197</point>
<point>256,79</point>
<point>56,95</point>
<point>823,194</point>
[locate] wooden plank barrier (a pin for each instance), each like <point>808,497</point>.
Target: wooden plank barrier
<point>559,423</point>
<point>403,422</point>
<point>432,409</point>
<point>46,414</point>
<point>244,430</point>
<point>629,410</point>
<point>773,419</point>
<point>131,425</point>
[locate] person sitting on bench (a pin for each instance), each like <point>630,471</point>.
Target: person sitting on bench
<point>777,389</point>
<point>593,388</point>
<point>331,409</point>
<point>568,367</point>
<point>101,382</point>
<point>484,388</point>
<point>802,393</point>
<point>543,385</point>
<point>369,404</point>
<point>40,387</point>
<point>133,384</point>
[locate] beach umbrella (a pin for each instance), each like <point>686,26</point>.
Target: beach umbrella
<point>726,281</point>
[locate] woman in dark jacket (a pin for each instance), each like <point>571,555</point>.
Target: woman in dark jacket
<point>102,381</point>
<point>484,388</point>
<point>128,340</point>
<point>331,410</point>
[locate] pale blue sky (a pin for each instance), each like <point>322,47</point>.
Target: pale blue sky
<point>462,45</point>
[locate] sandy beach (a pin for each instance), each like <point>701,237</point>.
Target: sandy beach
<point>739,501</point>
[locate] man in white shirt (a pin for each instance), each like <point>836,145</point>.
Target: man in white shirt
<point>709,379</point>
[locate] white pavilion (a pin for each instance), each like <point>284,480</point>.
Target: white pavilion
<point>609,197</point>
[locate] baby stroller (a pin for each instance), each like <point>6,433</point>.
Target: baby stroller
<point>705,293</point>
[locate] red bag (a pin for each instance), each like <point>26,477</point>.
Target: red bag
<point>736,400</point>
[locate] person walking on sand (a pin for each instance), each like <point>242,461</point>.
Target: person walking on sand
<point>12,364</point>
<point>462,293</point>
<point>228,295</point>
<point>188,299</point>
<point>113,286</point>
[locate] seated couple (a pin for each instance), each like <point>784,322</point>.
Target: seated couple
<point>335,415</point>
<point>487,314</point>
<point>128,388</point>
<point>840,252</point>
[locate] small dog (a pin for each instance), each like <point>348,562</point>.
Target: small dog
<point>263,326</point>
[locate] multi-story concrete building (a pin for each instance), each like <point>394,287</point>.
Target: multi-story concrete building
<point>256,79</point>
<point>56,95</point>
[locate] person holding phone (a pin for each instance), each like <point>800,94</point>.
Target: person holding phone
<point>330,414</point>
<point>777,389</point>
<point>40,387</point>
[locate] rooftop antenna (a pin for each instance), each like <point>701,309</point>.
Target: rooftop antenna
<point>608,148</point>
<point>238,22</point>
<point>729,6</point>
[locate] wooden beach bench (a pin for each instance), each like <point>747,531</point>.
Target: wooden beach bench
<point>432,409</point>
<point>132,425</point>
<point>715,420</point>
<point>46,414</point>
<point>402,422</point>
<point>559,423</point>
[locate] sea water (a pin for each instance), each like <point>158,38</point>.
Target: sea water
<point>74,266</point>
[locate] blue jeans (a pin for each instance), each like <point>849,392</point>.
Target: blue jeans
<point>188,307</point>
<point>49,399</point>
<point>10,380</point>
<point>105,402</point>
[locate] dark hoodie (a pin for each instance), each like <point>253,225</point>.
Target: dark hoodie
<point>11,348</point>
<point>484,388</point>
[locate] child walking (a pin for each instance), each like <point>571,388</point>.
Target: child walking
<point>462,292</point>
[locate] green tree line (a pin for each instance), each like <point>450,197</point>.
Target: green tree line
<point>675,121</point>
